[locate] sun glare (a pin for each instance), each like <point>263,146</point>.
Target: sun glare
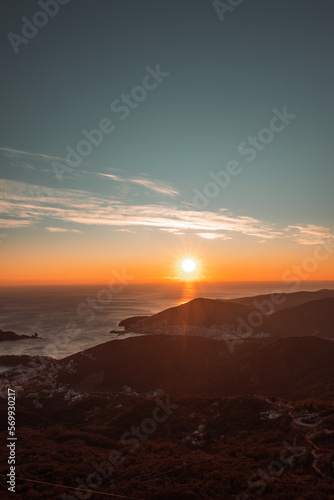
<point>188,265</point>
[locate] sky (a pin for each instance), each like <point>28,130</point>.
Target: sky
<point>137,134</point>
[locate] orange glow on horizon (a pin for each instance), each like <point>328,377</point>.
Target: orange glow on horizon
<point>43,265</point>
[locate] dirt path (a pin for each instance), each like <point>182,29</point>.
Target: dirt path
<point>302,422</point>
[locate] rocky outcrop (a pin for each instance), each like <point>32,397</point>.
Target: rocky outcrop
<point>5,336</point>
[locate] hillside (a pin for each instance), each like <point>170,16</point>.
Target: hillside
<point>285,299</point>
<point>312,318</point>
<point>287,367</point>
<point>201,404</point>
<point>157,407</point>
<point>198,312</point>
<point>295,314</point>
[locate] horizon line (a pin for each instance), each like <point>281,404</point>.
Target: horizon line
<point>165,282</point>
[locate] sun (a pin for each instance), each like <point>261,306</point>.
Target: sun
<point>188,265</point>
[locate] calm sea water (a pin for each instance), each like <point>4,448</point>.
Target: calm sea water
<point>47,310</point>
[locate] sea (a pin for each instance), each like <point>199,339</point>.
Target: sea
<point>69,319</point>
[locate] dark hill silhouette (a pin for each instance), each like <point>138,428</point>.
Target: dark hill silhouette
<point>149,362</point>
<point>200,312</point>
<point>312,318</point>
<point>197,312</point>
<point>305,317</point>
<point>286,299</point>
<point>294,367</point>
<point>5,336</point>
<point>286,367</point>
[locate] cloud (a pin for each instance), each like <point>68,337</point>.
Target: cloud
<point>24,159</point>
<point>171,230</point>
<point>309,235</point>
<point>62,230</point>
<point>214,236</point>
<point>125,230</point>
<point>28,205</point>
<point>24,155</point>
<point>12,223</point>
<point>154,185</point>
<point>24,205</point>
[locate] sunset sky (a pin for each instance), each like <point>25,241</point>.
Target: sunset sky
<point>179,95</point>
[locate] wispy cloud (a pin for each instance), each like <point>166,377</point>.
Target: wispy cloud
<point>62,230</point>
<point>155,185</point>
<point>309,235</point>
<point>124,230</point>
<point>214,236</point>
<point>13,223</point>
<point>24,155</point>
<point>28,205</point>
<point>30,161</point>
<point>171,230</point>
<point>24,205</point>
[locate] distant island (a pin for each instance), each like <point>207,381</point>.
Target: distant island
<point>14,336</point>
